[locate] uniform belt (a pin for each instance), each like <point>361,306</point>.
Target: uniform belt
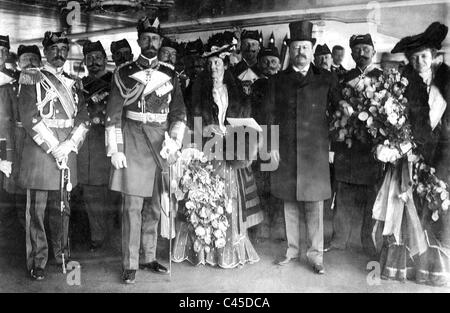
<point>58,123</point>
<point>147,117</point>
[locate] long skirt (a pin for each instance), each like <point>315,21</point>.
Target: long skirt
<point>431,267</point>
<point>238,249</point>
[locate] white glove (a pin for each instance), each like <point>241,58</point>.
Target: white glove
<point>169,150</point>
<point>119,160</point>
<point>5,167</point>
<point>63,150</point>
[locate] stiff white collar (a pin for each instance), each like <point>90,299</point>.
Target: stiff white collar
<point>304,70</point>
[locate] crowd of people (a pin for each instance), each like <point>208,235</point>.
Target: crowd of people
<point>105,133</point>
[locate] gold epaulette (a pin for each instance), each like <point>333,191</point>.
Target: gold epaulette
<point>30,76</point>
<point>167,65</point>
<point>122,65</point>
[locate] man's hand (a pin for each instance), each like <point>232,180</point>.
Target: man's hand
<point>275,156</point>
<point>119,160</point>
<point>63,150</point>
<point>5,167</point>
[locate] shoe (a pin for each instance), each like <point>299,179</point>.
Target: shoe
<point>129,276</point>
<point>318,269</point>
<point>284,261</point>
<point>37,273</point>
<point>154,267</point>
<point>332,248</point>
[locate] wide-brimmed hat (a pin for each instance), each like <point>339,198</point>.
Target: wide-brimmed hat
<point>220,44</point>
<point>432,37</point>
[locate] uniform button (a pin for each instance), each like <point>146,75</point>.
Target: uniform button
<point>57,111</point>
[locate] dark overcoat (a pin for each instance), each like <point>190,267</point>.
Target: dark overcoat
<point>298,105</point>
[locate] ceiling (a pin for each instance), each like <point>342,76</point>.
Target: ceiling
<point>26,21</point>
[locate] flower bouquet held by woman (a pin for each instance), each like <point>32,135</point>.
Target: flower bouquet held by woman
<point>413,202</point>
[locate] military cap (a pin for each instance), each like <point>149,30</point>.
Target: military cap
<point>28,49</point>
<point>117,45</point>
<point>90,46</point>
<point>149,25</point>
<point>361,39</point>
<point>51,38</point>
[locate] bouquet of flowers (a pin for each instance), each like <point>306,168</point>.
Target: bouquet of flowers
<point>373,111</point>
<point>433,191</point>
<point>206,201</point>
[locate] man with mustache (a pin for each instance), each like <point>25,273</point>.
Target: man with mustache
<point>54,115</point>
<point>297,101</point>
<point>247,70</point>
<point>121,52</point>
<point>93,164</point>
<point>168,51</point>
<point>322,57</point>
<point>29,57</point>
<point>356,170</point>
<point>145,106</point>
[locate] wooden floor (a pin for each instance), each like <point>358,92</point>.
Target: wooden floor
<point>100,272</point>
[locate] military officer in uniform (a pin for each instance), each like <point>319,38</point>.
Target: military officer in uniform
<point>168,51</point>
<point>145,103</point>
<point>54,115</point>
<point>29,57</point>
<point>121,52</point>
<point>93,164</point>
<point>357,172</point>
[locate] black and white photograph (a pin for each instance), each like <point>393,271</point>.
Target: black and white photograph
<point>235,149</point>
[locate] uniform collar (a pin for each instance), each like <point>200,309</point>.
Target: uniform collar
<point>146,62</point>
<point>368,69</point>
<point>50,68</point>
